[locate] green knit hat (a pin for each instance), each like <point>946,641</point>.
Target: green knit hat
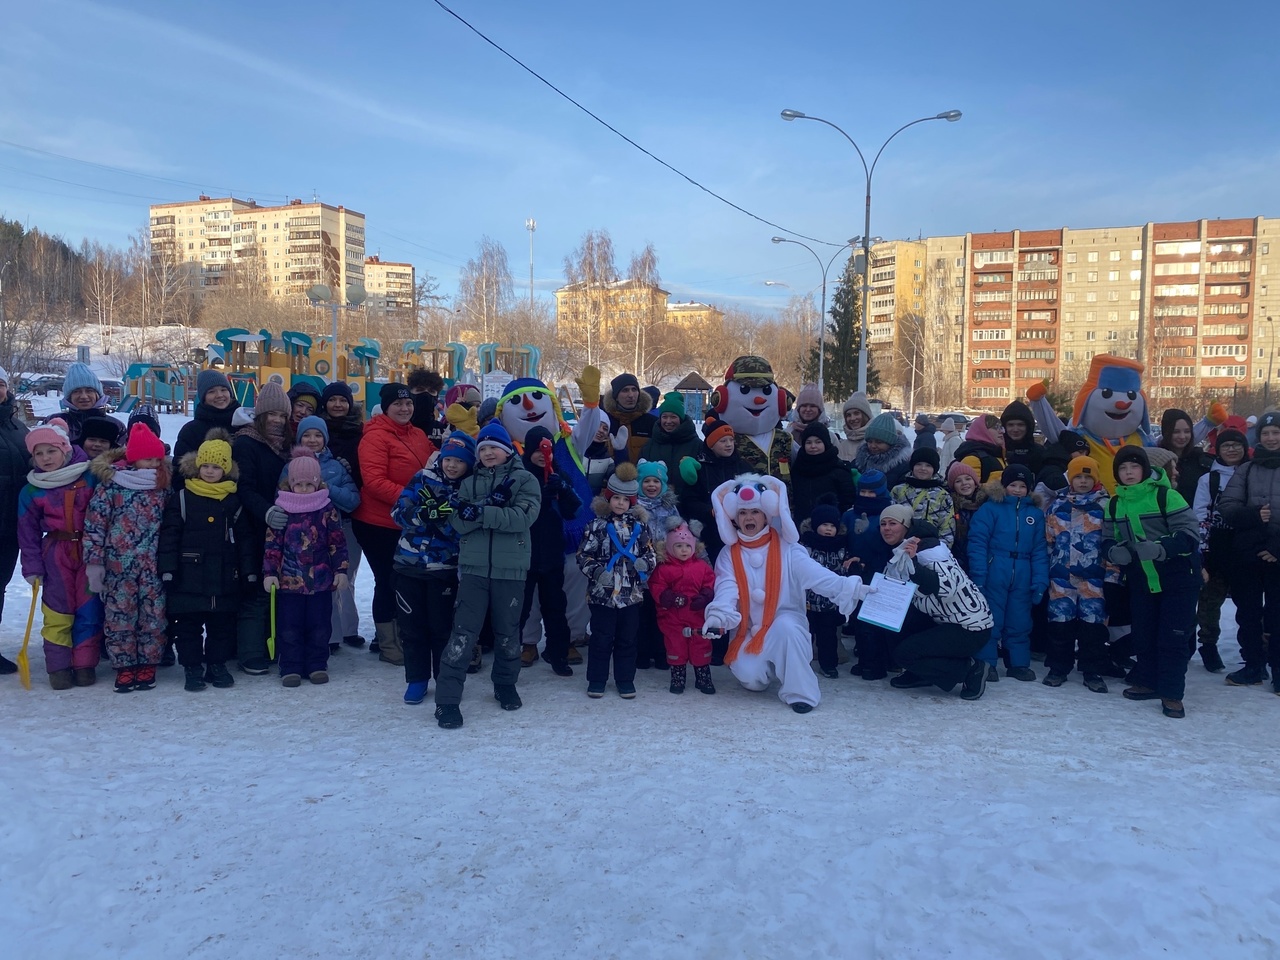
<point>672,403</point>
<point>883,428</point>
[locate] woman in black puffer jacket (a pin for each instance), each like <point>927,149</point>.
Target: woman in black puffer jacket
<point>345,421</point>
<point>14,464</point>
<point>816,473</point>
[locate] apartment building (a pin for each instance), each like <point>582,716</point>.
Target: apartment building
<point>588,311</point>
<point>389,285</point>
<point>1191,300</point>
<point>287,249</point>
<point>895,309</point>
<point>695,314</point>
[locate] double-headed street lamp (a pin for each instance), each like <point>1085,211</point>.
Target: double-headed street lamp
<point>320,293</point>
<point>951,116</point>
<point>822,318</point>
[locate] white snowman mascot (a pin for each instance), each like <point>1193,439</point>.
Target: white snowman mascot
<point>751,402</point>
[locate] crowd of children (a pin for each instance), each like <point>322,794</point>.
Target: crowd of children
<point>127,558</point>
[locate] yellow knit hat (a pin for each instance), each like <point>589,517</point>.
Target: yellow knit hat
<point>216,452</point>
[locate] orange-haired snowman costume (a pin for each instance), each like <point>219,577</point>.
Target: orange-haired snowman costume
<point>759,593</point>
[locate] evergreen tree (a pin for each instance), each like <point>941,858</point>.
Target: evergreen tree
<point>840,373</point>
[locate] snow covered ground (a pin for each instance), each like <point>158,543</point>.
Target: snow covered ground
<point>335,821</point>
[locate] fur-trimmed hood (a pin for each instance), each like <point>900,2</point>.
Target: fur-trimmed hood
<point>996,492</point>
<point>187,464</point>
<point>600,507</point>
<point>105,465</point>
<point>643,405</point>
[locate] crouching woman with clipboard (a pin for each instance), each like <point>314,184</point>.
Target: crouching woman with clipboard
<point>949,620</point>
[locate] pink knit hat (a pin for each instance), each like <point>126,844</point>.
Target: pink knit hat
<point>961,469</point>
<point>54,433</point>
<point>304,468</point>
<point>810,393</point>
<point>681,534</point>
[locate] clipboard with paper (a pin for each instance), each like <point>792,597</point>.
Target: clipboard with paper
<point>887,606</point>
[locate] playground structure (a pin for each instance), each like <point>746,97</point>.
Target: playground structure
<point>500,365</point>
<point>450,361</point>
<point>166,386</point>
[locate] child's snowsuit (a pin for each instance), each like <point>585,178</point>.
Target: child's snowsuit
<point>1073,525</point>
<point>823,614</point>
<point>616,556</point>
<point>122,534</point>
<point>682,590</point>
<point>930,502</point>
<point>51,538</point>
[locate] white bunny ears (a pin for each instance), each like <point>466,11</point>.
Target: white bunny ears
<point>751,490</point>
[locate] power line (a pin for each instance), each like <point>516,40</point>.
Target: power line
<point>608,126</point>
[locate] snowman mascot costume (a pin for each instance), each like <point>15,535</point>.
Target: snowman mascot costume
<point>761,578</point>
<point>1110,412</point>
<point>527,403</point>
<point>751,402</point>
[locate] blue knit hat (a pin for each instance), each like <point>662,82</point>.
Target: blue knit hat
<point>79,375</point>
<point>494,434</point>
<point>652,468</point>
<point>206,380</point>
<point>883,428</point>
<point>873,481</point>
<point>460,446</point>
<point>312,423</point>
<point>824,512</point>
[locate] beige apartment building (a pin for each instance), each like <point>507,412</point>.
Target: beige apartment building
<point>287,249</point>
<point>389,285</point>
<point>704,316</point>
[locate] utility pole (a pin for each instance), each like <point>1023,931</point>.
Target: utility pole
<point>531,225</point>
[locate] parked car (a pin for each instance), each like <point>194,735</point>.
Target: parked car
<point>43,386</point>
<point>114,390</point>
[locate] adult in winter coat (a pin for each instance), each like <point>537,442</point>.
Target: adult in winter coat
<point>983,440</point>
<point>1009,562</point>
<point>951,440</point>
<point>1177,436</point>
<point>1020,445</point>
<point>215,407</point>
<point>391,452</point>
<point>260,451</point>
<point>1217,548</point>
<point>1250,505</point>
<point>857,414</point>
<point>674,438</point>
<point>1152,535</point>
<point>818,471</point>
<point>206,547</point>
<point>885,448</point>
<point>82,399</point>
<point>14,462</point>
<point>925,436</point>
<point>345,420</point>
<point>629,408</point>
<point>810,408</point>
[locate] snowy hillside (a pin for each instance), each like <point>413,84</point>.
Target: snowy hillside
<point>335,821</point>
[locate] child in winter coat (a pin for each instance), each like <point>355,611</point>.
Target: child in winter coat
<point>1009,562</point>
<point>122,536</point>
<point>206,555</point>
<point>617,557</point>
<point>873,496</point>
<point>967,495</point>
<point>926,495</point>
<point>1216,541</point>
<point>1151,534</point>
<point>683,584</point>
<point>827,542</point>
<point>305,561</point>
<point>313,433</point>
<point>546,569</point>
<point>1077,571</point>
<point>816,471</point>
<point>659,502</point>
<point>493,511</point>
<point>51,514</point>
<point>426,562</point>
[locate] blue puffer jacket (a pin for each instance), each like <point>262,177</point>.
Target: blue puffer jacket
<point>1007,547</point>
<point>428,544</point>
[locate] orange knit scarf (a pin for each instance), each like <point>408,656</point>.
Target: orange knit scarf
<point>772,594</point>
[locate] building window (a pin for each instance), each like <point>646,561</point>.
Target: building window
<point>1113,294</point>
<point>1071,277</point>
<point>1092,276</point>
<point>1090,316</point>
<point>1113,316</point>
<point>1091,297</point>
<point>1135,294</point>
<point>1133,316</point>
<point>1068,297</point>
<point>1093,256</point>
<point>1113,256</point>
<point>1071,258</point>
<point>1135,254</point>
<point>1113,275</point>
<point>1090,335</point>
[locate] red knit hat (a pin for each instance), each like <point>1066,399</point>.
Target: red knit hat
<point>143,444</point>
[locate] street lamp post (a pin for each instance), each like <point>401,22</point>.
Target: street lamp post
<point>822,319</point>
<point>320,293</point>
<point>951,116</point>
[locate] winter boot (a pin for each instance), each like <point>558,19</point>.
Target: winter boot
<point>595,690</point>
<point>124,680</point>
<point>61,680</point>
<point>353,641</point>
<point>318,676</point>
<point>907,680</point>
<point>528,654</point>
<point>334,646</point>
<point>1095,683</point>
<point>7,666</point>
<point>975,681</point>
<point>415,692</point>
<point>1020,673</point>
<point>677,678</point>
<point>505,694</point>
<point>448,716</point>
<point>702,680</point>
<point>575,657</point>
<point>195,678</point>
<point>627,691</point>
<point>217,675</point>
<point>1140,693</point>
<point>291,680</point>
<point>388,641</point>
<point>84,677</point>
<point>832,674</point>
<point>144,678</point>
<point>799,707</point>
<point>993,675</point>
<point>1249,675</point>
<point>1055,680</point>
<point>1173,709</point>
<point>1209,657</point>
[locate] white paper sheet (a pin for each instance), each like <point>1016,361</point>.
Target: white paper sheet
<point>887,607</point>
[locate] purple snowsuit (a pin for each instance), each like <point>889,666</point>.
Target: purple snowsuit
<point>51,541</point>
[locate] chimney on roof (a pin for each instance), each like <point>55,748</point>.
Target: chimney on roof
<point>296,202</point>
<point>203,197</point>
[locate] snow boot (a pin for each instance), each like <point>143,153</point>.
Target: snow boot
<point>389,650</point>
<point>7,666</point>
<point>595,690</point>
<point>353,641</point>
<point>84,677</point>
<point>1173,709</point>
<point>61,680</point>
<point>833,674</point>
<point>975,681</point>
<point>291,680</point>
<point>561,668</point>
<point>1095,683</point>
<point>907,680</point>
<point>677,678</point>
<point>416,692</point>
<point>218,676</point>
<point>505,694</point>
<point>528,654</point>
<point>1054,680</point>
<point>1247,676</point>
<point>448,716</point>
<point>627,691</point>
<point>1210,658</point>
<point>124,680</point>
<point>702,680</point>
<point>1140,693</point>
<point>144,678</point>
<point>993,675</point>
<point>575,657</point>
<point>195,678</point>
<point>318,676</point>
<point>799,707</point>
<point>1025,674</point>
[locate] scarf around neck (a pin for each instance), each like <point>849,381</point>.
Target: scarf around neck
<point>52,479</point>
<point>136,478</point>
<point>772,593</point>
<point>214,491</point>
<point>1134,500</point>
<point>291,502</point>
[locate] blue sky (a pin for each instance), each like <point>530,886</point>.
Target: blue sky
<point>1101,115</point>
